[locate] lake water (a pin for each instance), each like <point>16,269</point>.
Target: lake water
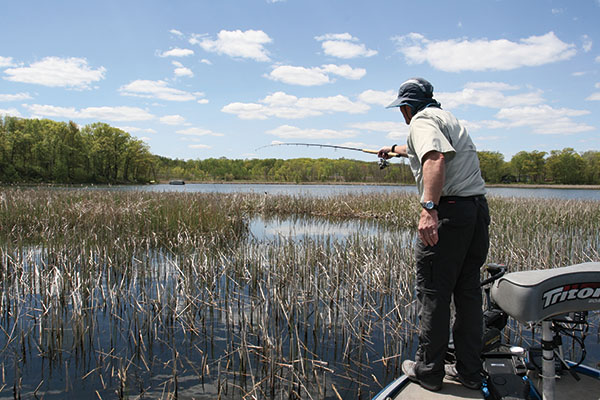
<point>329,190</point>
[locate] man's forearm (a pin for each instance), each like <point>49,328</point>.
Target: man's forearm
<point>434,174</point>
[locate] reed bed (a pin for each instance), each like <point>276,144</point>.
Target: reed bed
<point>167,295</point>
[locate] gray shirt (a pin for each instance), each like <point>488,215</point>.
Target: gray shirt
<point>434,129</point>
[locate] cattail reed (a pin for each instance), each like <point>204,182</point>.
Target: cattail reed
<point>169,295</point>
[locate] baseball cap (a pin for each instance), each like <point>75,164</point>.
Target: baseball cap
<point>414,89</point>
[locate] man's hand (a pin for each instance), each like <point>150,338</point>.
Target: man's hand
<point>428,227</point>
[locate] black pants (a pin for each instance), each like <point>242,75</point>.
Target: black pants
<point>451,269</point>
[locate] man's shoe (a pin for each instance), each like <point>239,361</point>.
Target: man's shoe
<point>408,367</point>
<point>452,374</point>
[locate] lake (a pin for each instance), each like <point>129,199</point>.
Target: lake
<point>329,190</point>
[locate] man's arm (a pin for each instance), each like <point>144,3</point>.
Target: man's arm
<point>398,149</point>
<point>434,175</point>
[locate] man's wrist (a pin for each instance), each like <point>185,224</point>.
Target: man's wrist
<point>429,205</point>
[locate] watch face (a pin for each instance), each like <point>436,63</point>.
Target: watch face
<point>429,205</point>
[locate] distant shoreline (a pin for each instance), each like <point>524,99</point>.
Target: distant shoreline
<point>491,185</point>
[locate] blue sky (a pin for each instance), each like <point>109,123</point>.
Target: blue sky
<point>220,78</point>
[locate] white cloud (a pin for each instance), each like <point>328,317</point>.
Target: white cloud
<point>293,132</point>
<point>282,105</point>
<point>594,97</point>
<point>314,76</point>
<point>176,32</point>
<point>97,113</point>
<point>198,132</point>
<point>394,130</point>
<point>299,75</point>
<point>134,129</point>
<point>489,94</point>
<point>237,44</point>
<point>14,97</point>
<point>10,111</point>
<point>205,61</point>
<point>199,146</point>
<point>542,119</point>
<point>155,90</point>
<point>180,70</point>
<point>57,72</point>
<point>172,120</point>
<point>587,43</point>
<point>457,55</point>
<point>6,62</point>
<point>177,52</point>
<point>345,71</point>
<point>377,97</point>
<point>597,59</point>
<point>343,45</point>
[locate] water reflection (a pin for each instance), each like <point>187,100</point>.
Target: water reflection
<point>298,228</point>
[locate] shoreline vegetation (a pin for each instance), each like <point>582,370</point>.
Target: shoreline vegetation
<point>170,294</point>
<point>46,151</point>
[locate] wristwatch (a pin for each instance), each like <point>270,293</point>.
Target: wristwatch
<point>429,205</point>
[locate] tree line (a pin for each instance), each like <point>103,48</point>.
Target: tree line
<point>34,151</point>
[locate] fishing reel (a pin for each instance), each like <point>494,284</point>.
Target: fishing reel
<point>383,163</point>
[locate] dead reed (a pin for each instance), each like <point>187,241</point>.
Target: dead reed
<point>126,294</point>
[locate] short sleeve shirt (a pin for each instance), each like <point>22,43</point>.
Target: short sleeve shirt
<point>434,129</point>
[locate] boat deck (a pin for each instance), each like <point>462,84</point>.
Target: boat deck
<point>450,390</point>
<point>588,388</point>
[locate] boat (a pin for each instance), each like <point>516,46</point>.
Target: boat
<point>177,182</point>
<point>559,300</point>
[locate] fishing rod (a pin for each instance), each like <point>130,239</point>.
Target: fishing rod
<point>382,161</point>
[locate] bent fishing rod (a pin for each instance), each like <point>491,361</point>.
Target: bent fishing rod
<point>383,163</point>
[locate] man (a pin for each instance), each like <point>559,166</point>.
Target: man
<point>453,233</point>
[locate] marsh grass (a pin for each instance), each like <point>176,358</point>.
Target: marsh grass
<point>110,294</point>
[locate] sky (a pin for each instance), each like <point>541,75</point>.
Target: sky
<point>221,78</point>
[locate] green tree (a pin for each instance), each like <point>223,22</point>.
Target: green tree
<point>529,166</point>
<point>493,167</point>
<point>566,166</point>
<point>592,167</point>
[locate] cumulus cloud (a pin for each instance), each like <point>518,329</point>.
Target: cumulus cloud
<point>489,94</point>
<point>314,76</point>
<point>393,130</point>
<point>377,97</point>
<point>282,105</point>
<point>180,70</point>
<point>237,44</point>
<point>456,55</point>
<point>10,111</point>
<point>177,52</point>
<point>14,97</point>
<point>57,72</point>
<point>172,120</point>
<point>343,45</point>
<point>134,129</point>
<point>198,132</point>
<point>542,119</point>
<point>6,62</point>
<point>156,90</point>
<point>293,132</point>
<point>96,113</point>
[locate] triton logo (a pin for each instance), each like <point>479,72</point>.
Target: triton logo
<point>575,291</point>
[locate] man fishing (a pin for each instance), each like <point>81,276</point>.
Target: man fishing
<point>453,233</point>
